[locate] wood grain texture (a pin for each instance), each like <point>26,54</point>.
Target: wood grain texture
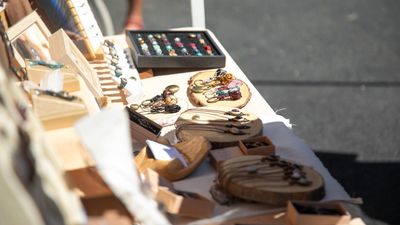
<point>199,99</point>
<point>217,138</point>
<point>194,151</point>
<point>235,180</point>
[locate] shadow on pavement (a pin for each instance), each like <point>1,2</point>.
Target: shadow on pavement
<point>376,182</point>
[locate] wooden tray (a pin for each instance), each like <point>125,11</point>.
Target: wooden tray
<point>217,138</point>
<point>243,178</point>
<point>200,100</point>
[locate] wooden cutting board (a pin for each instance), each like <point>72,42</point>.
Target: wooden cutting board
<point>199,99</point>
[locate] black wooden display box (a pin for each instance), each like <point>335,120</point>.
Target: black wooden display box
<point>216,60</point>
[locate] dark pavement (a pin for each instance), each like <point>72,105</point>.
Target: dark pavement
<point>334,66</point>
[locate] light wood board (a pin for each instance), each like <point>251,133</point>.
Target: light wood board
<point>200,100</point>
<point>209,117</point>
<point>235,179</point>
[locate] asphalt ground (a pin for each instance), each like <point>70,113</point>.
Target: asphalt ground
<point>331,67</point>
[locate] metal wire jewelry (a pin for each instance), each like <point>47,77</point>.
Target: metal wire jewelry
<point>204,127</point>
<point>165,102</point>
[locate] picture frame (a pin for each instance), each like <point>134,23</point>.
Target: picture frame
<point>29,39</point>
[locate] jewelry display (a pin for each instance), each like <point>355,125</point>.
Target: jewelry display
<point>268,179</point>
<point>49,64</point>
<point>231,129</point>
<point>166,102</point>
<point>218,88</point>
<point>60,94</point>
<point>174,49</point>
<point>222,126</point>
<point>121,68</point>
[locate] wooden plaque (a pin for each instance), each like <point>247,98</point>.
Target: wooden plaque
<point>199,99</point>
<point>254,178</point>
<point>215,121</point>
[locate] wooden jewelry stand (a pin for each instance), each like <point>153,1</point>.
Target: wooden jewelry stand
<point>103,87</point>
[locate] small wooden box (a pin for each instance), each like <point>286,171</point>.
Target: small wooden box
<point>265,146</point>
<point>185,203</point>
<point>182,203</point>
<point>217,156</point>
<point>315,213</point>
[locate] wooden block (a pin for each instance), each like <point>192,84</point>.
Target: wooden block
<point>176,202</point>
<point>57,113</point>
<point>315,213</point>
<point>261,145</point>
<point>145,73</point>
<point>217,156</point>
<point>185,203</point>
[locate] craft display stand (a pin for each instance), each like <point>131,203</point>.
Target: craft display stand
<point>205,116</point>
<point>199,99</point>
<point>252,178</point>
<point>102,86</point>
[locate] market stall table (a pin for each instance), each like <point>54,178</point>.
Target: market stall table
<point>276,127</point>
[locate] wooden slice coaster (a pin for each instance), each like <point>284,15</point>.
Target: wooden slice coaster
<point>200,99</point>
<point>218,125</point>
<point>269,180</point>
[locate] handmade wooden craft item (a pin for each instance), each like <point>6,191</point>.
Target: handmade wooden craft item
<point>119,65</point>
<point>37,70</point>
<point>57,109</point>
<point>193,151</point>
<point>102,86</point>
<point>268,179</point>
<point>222,126</point>
<point>177,202</point>
<point>218,88</point>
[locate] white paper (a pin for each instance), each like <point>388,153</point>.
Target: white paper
<point>107,137</point>
<point>165,152</point>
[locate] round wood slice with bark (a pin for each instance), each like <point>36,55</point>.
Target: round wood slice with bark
<point>199,98</point>
<point>269,180</point>
<point>222,126</point>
